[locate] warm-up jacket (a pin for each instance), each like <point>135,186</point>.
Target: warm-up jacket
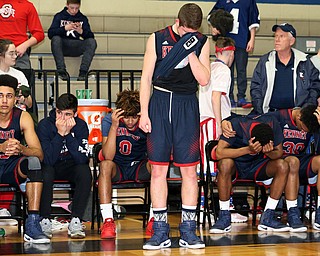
<point>306,81</point>
<point>60,148</point>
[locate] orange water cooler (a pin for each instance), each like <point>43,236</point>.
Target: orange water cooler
<point>93,111</point>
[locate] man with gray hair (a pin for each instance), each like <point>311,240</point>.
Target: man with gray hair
<point>285,77</point>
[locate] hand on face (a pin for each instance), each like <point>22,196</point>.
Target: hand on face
<point>254,147</point>
<point>268,147</point>
<point>64,126</point>
<point>117,114</point>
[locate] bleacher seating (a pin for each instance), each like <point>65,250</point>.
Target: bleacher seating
<point>121,45</point>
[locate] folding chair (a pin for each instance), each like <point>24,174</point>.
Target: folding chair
<point>121,185</point>
<point>20,209</point>
<point>210,185</point>
<point>67,188</point>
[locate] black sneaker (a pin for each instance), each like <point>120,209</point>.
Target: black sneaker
<point>160,238</point>
<point>82,75</point>
<point>294,220</point>
<point>188,237</point>
<point>63,75</point>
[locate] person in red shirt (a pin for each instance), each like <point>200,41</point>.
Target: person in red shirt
<point>18,18</point>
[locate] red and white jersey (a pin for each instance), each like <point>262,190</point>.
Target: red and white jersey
<point>220,81</point>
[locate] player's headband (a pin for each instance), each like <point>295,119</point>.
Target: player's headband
<point>227,48</point>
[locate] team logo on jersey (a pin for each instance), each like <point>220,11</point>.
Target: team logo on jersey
<point>190,43</point>
<point>70,32</point>
<point>6,11</point>
<point>165,43</point>
<point>166,50</point>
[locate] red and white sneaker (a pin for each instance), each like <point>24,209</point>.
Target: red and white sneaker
<point>108,229</point>
<point>149,228</point>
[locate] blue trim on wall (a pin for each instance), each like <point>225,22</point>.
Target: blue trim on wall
<point>314,2</point>
<point>305,2</point>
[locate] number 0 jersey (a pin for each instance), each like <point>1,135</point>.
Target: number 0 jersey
<point>131,146</point>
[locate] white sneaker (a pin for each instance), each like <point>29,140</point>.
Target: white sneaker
<point>75,228</point>
<point>238,218</point>
<point>46,227</point>
<point>59,225</point>
<point>7,222</point>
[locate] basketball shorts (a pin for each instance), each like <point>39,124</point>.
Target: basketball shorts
<point>137,171</point>
<point>175,129</point>
<point>254,171</point>
<point>306,175</point>
<point>9,172</point>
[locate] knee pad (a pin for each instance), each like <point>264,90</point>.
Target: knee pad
<point>31,167</point>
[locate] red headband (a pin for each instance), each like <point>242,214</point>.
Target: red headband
<point>227,48</point>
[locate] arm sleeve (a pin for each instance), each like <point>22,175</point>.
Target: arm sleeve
<point>106,124</point>
<point>254,17</point>
<point>55,28</point>
<point>77,142</point>
<point>51,146</point>
<point>34,24</point>
<point>256,89</point>
<point>218,5</point>
<point>87,33</point>
<point>314,88</point>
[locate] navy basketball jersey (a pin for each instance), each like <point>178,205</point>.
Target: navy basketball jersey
<point>243,126</point>
<point>181,79</point>
<point>11,131</point>
<point>131,146</point>
<point>295,141</point>
<point>245,14</point>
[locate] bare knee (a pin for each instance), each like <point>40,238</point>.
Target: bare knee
<point>294,165</point>
<point>159,172</point>
<point>105,170</point>
<point>282,168</point>
<point>226,167</point>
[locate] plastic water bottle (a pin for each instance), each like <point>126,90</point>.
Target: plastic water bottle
<point>2,232</point>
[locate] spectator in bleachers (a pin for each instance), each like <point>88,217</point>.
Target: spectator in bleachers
<point>71,35</point>
<point>8,56</point>
<point>285,77</point>
<point>124,150</point>
<point>20,165</point>
<point>221,23</point>
<point>16,19</point>
<point>64,140</point>
<point>246,22</point>
<point>255,153</point>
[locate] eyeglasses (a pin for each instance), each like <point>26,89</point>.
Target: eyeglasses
<point>12,54</point>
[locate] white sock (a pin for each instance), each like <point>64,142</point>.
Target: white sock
<point>318,201</point>
<point>224,205</point>
<point>151,212</point>
<point>271,203</point>
<point>291,204</point>
<point>106,211</point>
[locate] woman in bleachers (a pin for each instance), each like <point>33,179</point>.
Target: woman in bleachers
<point>8,56</point>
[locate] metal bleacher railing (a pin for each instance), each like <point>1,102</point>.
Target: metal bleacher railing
<point>117,77</point>
<point>113,81</point>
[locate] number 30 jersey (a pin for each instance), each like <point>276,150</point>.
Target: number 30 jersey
<point>295,141</point>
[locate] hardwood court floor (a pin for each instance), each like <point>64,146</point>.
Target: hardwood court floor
<point>244,240</point>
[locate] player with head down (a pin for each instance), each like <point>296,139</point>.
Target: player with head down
<point>254,153</point>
